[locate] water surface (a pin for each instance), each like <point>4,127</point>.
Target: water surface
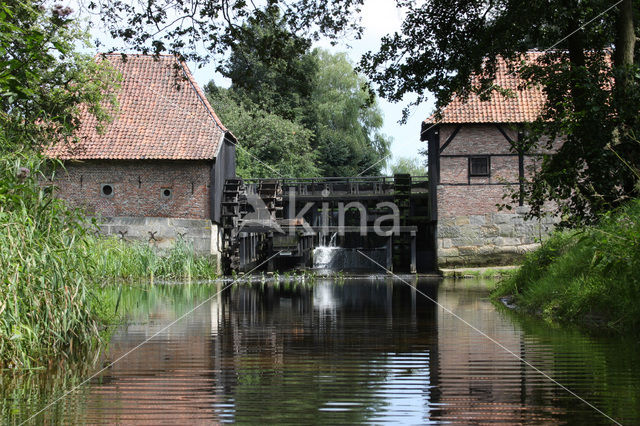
<point>341,351</point>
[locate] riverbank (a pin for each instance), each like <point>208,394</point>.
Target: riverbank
<point>588,276</point>
<point>52,270</point>
<point>496,272</point>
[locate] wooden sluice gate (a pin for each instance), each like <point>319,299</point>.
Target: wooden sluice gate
<point>280,221</point>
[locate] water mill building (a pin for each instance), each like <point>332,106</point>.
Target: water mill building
<point>157,170</point>
<point>474,160</point>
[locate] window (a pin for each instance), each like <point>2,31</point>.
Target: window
<point>106,190</point>
<point>479,166</point>
<point>166,193</point>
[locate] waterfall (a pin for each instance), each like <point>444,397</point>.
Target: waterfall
<point>324,255</point>
<point>330,257</point>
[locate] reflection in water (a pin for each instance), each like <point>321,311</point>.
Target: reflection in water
<point>366,351</point>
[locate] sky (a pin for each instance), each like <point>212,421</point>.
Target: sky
<point>379,17</point>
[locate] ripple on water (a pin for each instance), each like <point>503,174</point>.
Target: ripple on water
<point>355,352</point>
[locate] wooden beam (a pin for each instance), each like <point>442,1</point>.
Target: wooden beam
<point>450,138</point>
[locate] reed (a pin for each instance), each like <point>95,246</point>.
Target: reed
<point>48,305</point>
<point>52,269</point>
<point>135,261</point>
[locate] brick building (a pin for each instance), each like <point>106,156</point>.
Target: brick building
<point>156,172</point>
<point>474,161</point>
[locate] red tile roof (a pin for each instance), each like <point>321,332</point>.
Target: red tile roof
<point>523,107</point>
<point>163,114</point>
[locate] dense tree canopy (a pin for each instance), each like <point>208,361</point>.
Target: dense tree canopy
<point>589,74</point>
<point>268,144</point>
<point>271,66</point>
<point>189,27</point>
<point>346,120</point>
<point>314,95</point>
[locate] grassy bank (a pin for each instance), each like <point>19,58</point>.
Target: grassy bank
<point>589,276</point>
<point>51,270</point>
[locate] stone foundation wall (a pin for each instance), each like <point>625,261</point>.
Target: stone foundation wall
<point>163,232</point>
<point>489,239</point>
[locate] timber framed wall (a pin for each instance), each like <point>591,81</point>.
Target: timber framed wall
<point>471,229</point>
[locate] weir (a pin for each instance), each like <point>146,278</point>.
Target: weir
<point>329,223</point>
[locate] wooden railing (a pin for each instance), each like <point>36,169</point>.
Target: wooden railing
<point>323,186</point>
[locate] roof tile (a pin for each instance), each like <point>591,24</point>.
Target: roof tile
<point>163,114</point>
<point>523,107</point>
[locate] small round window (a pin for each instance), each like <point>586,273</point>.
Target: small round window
<point>166,192</point>
<point>106,190</point>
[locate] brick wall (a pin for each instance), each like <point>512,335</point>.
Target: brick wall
<point>471,229</point>
<point>137,188</point>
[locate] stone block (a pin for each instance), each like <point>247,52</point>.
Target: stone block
<point>486,250</point>
<point>470,231</point>
<point>502,218</point>
<point>477,219</point>
<point>528,247</point>
<point>190,223</point>
<point>506,230</point>
<point>448,231</point>
<point>517,219</point>
<point>468,250</point>
<point>444,242</point>
<point>507,241</point>
<point>446,221</point>
<point>522,210</point>
<point>452,252</point>
<point>125,221</point>
<point>461,242</point>
<point>462,220</point>
<point>489,231</point>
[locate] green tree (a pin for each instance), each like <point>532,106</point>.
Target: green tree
<point>407,165</point>
<point>337,120</point>
<point>271,66</point>
<point>268,145</point>
<point>189,27</point>
<point>43,79</point>
<point>346,120</point>
<point>589,74</point>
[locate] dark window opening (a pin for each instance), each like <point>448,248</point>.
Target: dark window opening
<point>106,190</point>
<point>166,193</point>
<point>479,166</point>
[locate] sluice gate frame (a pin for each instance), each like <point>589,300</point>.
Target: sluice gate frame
<point>262,217</point>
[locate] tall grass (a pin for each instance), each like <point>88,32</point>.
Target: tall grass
<point>47,302</point>
<point>129,261</point>
<point>588,275</point>
<point>51,269</point>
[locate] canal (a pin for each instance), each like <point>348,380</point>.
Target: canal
<point>372,350</point>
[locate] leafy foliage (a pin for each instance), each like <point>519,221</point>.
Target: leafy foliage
<point>451,47</point>
<point>271,66</point>
<point>315,113</point>
<point>183,26</point>
<point>407,165</point>
<point>269,145</point>
<point>43,80</point>
<point>586,275</point>
<point>346,120</point>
